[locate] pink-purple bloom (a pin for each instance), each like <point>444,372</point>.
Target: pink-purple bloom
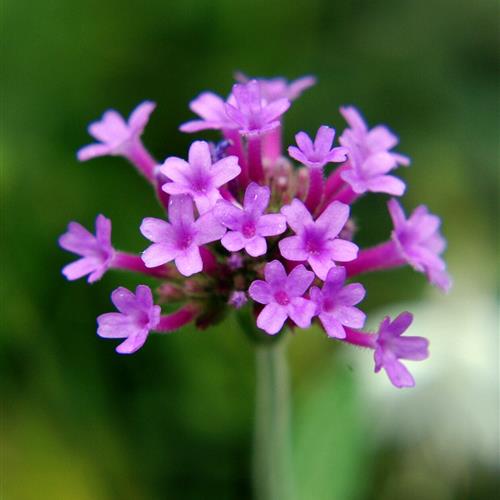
<point>96,251</point>
<point>199,177</point>
<point>115,135</point>
<point>391,346</point>
<point>180,238</point>
<point>249,226</point>
<point>253,114</point>
<point>249,196</point>
<point>283,297</point>
<point>420,243</point>
<point>316,241</point>
<point>370,158</point>
<point>370,141</point>
<point>335,303</point>
<point>320,152</point>
<point>136,317</point>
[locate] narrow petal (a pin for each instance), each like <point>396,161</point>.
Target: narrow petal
<point>333,218</point>
<point>304,142</point>
<point>229,215</point>
<point>413,348</point>
<point>396,212</point>
<point>78,240</point>
<point>115,326</point>
<point>274,110</point>
<point>321,264</point>
<point>144,297</point>
<point>351,294</point>
<point>299,281</point>
<point>271,225</point>
<point>275,274</point>
<point>353,117</point>
<point>399,374</point>
<point>199,155</point>
<point>256,198</point>
<point>297,215</point>
<point>260,291</point>
<point>180,210</point>
<point>297,154</point>
<point>233,241</point>
<point>272,318</point>
<point>400,324</point>
<point>386,184</point>
<point>225,170</point>
<point>292,248</point>
<point>79,268</point>
<point>256,247</point>
<point>133,342</point>
<point>176,169</point>
<point>159,253</point>
<point>111,129</point>
<point>301,311</point>
<point>189,262</point>
<point>93,151</point>
<point>324,140</point>
<point>342,250</point>
<point>350,316</point>
<point>103,231</point>
<point>140,116</point>
<point>208,229</point>
<point>157,230</point>
<point>125,300</point>
<point>332,326</point>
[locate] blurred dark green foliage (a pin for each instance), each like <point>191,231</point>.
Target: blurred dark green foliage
<point>174,421</point>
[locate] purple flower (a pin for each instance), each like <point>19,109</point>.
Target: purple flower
<point>253,114</point>
<point>369,157</point>
<point>377,140</point>
<point>180,238</point>
<point>248,226</point>
<point>137,316</point>
<point>319,153</point>
<point>96,251</point>
<point>273,89</point>
<point>420,243</point>
<point>390,347</point>
<point>199,177</point>
<point>116,136</point>
<point>212,110</point>
<point>316,241</point>
<point>238,299</point>
<point>335,303</point>
<point>283,297</point>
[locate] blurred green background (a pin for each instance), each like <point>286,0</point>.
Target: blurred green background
<point>174,421</point>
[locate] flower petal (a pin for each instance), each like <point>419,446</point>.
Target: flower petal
<point>333,218</point>
<point>157,230</point>
<point>272,318</point>
<point>299,281</point>
<point>301,311</point>
<point>292,248</point>
<point>189,262</point>
<point>256,247</point>
<point>271,225</point>
<point>260,291</point>
<point>297,215</point>
<point>159,253</point>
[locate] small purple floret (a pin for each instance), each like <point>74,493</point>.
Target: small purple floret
<point>96,251</point>
<point>251,112</point>
<point>370,158</point>
<point>390,347</point>
<point>335,303</point>
<point>116,136</point>
<point>200,178</point>
<point>283,297</point>
<point>137,316</point>
<point>320,152</point>
<point>238,299</point>
<point>180,238</point>
<point>249,226</point>
<point>420,242</point>
<point>316,241</point>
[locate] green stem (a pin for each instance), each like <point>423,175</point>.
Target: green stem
<point>272,464</point>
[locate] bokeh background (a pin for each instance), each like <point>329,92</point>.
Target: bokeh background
<point>174,421</point>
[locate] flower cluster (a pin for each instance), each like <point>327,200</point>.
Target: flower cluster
<point>247,229</point>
